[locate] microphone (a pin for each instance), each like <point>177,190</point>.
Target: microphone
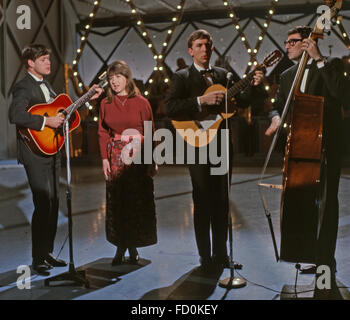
<point>229,76</point>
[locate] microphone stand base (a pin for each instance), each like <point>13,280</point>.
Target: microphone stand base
<point>74,276</point>
<point>232,283</point>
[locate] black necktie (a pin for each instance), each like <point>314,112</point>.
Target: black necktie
<point>208,76</point>
<point>205,71</point>
<point>40,82</point>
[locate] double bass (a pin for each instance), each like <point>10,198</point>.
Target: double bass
<point>304,180</point>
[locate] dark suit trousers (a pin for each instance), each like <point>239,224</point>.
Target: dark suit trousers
<point>210,210</point>
<point>210,200</point>
<point>43,178</point>
<point>327,240</point>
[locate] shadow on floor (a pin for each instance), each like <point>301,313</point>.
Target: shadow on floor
<point>99,273</point>
<point>307,292</point>
<point>194,285</point>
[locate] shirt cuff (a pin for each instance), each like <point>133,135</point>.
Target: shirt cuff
<point>43,125</point>
<point>199,105</point>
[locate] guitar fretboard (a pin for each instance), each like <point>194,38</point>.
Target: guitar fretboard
<point>82,100</point>
<point>240,85</point>
<point>85,98</point>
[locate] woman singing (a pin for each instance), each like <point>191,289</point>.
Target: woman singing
<point>130,208</point>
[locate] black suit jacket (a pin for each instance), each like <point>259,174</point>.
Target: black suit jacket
<point>27,93</point>
<point>187,84</point>
<point>328,82</point>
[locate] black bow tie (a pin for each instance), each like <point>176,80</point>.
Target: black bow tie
<point>206,71</point>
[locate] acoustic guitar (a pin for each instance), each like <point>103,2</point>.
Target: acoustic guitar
<point>49,141</point>
<point>201,130</point>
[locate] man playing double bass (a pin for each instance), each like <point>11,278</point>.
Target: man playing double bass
<point>323,77</point>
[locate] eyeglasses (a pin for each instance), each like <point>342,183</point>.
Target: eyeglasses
<point>292,42</point>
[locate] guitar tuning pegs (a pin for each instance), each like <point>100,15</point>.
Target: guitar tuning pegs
<point>103,75</point>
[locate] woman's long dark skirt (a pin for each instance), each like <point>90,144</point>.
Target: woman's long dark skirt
<point>130,209</point>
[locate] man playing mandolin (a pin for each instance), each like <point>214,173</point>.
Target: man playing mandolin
<point>323,77</point>
<point>42,171</point>
<point>187,99</point>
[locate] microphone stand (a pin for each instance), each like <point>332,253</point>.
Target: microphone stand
<point>231,282</point>
<point>72,275</point>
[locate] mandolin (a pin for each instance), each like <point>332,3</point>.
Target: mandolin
<point>202,130</point>
<point>49,141</point>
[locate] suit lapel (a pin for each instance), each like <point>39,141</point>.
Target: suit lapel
<point>215,75</point>
<point>37,92</point>
<point>196,80</point>
<point>311,79</point>
<point>53,94</point>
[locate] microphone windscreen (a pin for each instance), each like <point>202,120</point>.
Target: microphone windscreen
<point>229,76</point>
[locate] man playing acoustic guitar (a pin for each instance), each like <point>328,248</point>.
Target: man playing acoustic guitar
<point>186,98</point>
<point>42,171</point>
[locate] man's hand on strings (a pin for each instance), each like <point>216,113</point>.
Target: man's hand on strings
<point>312,49</point>
<point>54,122</point>
<point>257,78</point>
<point>98,91</point>
<point>212,98</point>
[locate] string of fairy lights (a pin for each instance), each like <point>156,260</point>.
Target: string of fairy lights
<point>83,41</point>
<point>252,52</point>
<point>343,32</point>
<point>158,57</point>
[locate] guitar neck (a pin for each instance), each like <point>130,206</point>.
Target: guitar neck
<point>240,85</point>
<point>243,83</point>
<point>82,100</point>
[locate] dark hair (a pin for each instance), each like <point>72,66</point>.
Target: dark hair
<point>121,67</point>
<point>33,52</point>
<point>304,31</point>
<point>199,34</point>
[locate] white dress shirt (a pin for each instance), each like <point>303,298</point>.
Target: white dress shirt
<point>46,93</point>
<point>211,118</point>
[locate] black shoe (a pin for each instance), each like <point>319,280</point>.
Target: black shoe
<point>41,268</point>
<point>206,264</point>
<point>308,269</point>
<point>49,265</point>
<point>119,256</point>
<point>224,262</point>
<point>134,259</point>
<point>118,260</point>
<point>134,255</point>
<point>51,260</point>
